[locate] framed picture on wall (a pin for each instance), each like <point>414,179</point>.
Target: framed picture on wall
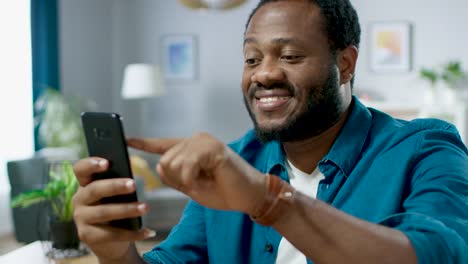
<point>390,47</point>
<point>179,57</point>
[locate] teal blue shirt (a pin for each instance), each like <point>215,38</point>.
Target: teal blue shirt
<point>411,176</point>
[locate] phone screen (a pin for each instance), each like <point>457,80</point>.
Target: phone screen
<point>105,138</point>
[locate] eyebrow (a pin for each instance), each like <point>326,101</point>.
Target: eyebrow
<point>250,40</point>
<point>274,41</point>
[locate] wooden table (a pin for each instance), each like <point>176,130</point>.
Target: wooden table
<point>36,253</point>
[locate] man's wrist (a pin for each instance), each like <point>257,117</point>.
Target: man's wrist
<point>277,199</point>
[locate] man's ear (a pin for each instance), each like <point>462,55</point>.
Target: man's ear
<point>346,61</point>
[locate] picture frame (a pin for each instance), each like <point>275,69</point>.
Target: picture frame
<point>390,47</point>
<point>179,57</point>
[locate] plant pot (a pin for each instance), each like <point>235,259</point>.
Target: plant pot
<point>64,234</point>
<point>429,96</point>
<point>445,96</point>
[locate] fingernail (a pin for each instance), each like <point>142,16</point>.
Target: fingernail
<point>141,207</point>
<point>102,163</point>
<point>149,233</point>
<point>129,184</point>
<point>94,162</point>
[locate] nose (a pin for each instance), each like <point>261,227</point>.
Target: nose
<point>267,73</point>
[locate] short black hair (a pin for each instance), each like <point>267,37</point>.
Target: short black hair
<point>340,18</point>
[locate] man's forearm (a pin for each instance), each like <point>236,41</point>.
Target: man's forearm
<point>327,235</point>
<point>132,257</point>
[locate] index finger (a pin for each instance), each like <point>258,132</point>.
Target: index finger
<point>153,145</point>
<point>85,168</point>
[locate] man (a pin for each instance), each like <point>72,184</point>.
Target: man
<point>357,185</point>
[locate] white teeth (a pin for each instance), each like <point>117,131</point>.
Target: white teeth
<point>272,99</point>
<point>268,99</point>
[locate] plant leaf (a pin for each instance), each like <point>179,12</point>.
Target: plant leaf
<point>54,188</point>
<point>429,74</point>
<point>28,198</point>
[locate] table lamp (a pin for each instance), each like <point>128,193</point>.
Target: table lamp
<point>142,81</point>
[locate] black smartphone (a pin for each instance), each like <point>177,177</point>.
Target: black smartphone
<point>105,138</point>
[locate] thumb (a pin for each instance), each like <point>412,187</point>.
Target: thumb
<point>153,145</point>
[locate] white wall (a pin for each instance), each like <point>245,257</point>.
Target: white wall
<point>85,36</point>
<point>100,37</point>
<point>440,34</point>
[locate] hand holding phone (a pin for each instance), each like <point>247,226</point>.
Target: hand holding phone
<point>105,138</point>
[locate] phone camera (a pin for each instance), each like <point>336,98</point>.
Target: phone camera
<point>101,133</point>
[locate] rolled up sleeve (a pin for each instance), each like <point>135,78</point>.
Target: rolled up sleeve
<point>435,216</point>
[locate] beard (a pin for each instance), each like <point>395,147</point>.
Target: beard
<point>322,111</point>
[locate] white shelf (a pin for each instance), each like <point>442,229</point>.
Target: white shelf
<point>395,109</point>
<point>456,114</point>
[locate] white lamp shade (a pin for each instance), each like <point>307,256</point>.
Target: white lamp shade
<point>141,81</point>
<point>215,4</point>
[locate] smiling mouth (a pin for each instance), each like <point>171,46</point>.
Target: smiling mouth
<point>275,98</point>
<point>271,103</point>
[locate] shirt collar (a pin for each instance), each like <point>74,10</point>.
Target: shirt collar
<point>346,150</point>
<point>276,159</point>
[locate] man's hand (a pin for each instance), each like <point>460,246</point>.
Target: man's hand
<point>108,243</point>
<point>208,171</point>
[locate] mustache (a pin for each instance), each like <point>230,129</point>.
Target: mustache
<point>277,85</point>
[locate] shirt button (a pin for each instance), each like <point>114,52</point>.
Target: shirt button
<point>269,247</point>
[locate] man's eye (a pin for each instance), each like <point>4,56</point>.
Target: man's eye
<point>251,61</point>
<point>290,57</point>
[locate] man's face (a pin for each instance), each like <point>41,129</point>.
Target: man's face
<point>290,80</point>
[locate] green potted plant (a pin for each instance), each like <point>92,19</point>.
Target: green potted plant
<point>451,74</point>
<point>430,75</point>
<point>445,81</point>
<point>58,193</point>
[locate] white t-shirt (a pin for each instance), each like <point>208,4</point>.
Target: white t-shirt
<point>308,185</point>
